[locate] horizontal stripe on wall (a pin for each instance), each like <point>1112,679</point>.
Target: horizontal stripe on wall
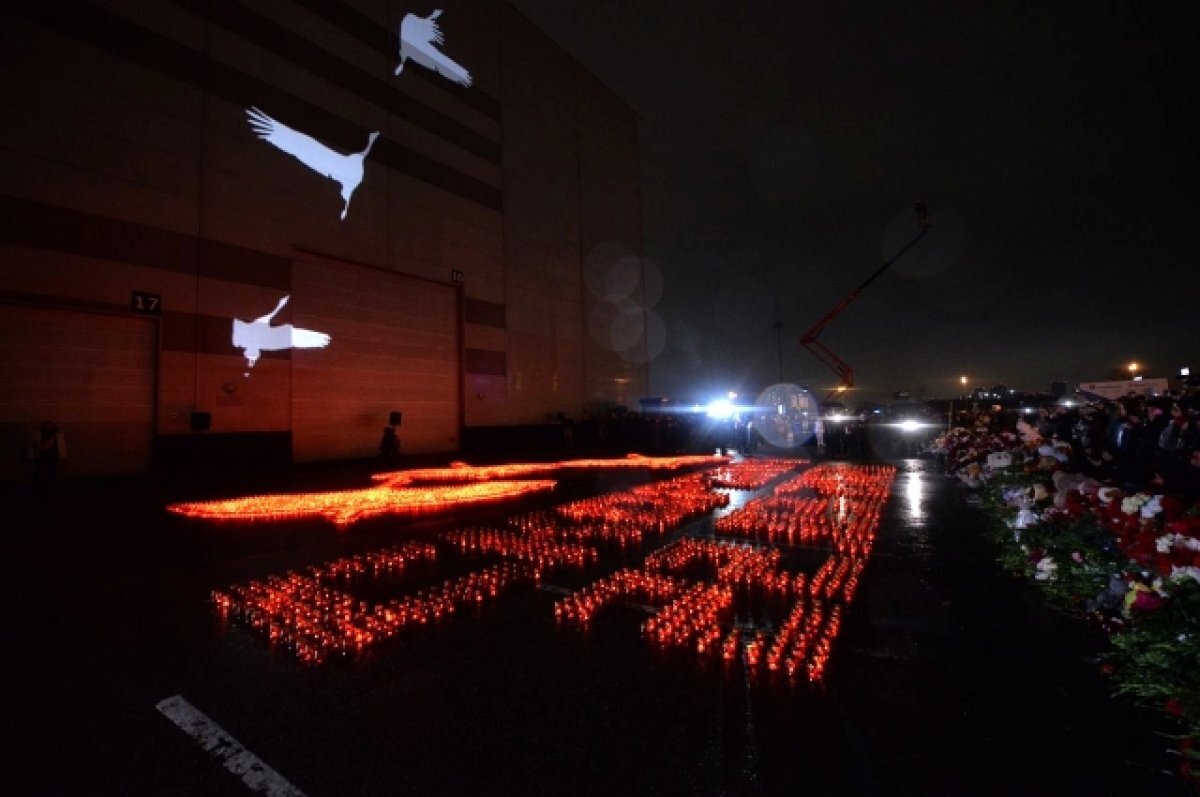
<point>64,302</point>
<point>488,314</point>
<point>33,224</point>
<point>387,42</point>
<point>485,363</point>
<point>276,39</point>
<point>124,39</point>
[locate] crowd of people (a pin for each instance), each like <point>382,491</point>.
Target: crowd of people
<point>1135,443</point>
<point>1099,504</point>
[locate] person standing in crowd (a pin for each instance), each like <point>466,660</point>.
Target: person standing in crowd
<point>1114,417</point>
<point>47,445</point>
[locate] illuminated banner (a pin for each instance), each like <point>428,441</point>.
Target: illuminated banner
<point>255,337</point>
<point>1122,387</point>
<point>419,37</point>
<point>345,170</point>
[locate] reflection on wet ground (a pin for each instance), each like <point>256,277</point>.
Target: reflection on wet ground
<point>947,678</point>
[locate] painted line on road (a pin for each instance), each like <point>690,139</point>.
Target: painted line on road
<point>253,771</point>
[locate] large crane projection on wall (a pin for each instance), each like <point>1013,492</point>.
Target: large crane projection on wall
<point>809,339</point>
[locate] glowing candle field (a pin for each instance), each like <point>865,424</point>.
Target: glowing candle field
<point>738,596</point>
<point>704,615</point>
<point>419,491</point>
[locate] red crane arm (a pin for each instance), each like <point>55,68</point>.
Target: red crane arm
<point>822,352</point>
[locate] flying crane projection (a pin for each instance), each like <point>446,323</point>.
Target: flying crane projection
<point>419,37</point>
<point>345,170</point>
<point>255,337</point>
<point>809,339</point>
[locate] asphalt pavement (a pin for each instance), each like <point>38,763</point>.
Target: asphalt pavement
<point>949,678</point>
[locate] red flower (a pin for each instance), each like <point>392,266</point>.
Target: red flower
<point>1147,601</point>
<point>1173,707</point>
<point>1172,507</point>
<point>1180,526</point>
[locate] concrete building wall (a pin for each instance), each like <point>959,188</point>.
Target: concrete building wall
<point>454,290</point>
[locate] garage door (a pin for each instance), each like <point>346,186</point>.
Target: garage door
<point>393,347</point>
<point>91,373</point>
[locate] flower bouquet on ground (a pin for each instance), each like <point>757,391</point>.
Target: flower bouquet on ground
<point>1126,559</point>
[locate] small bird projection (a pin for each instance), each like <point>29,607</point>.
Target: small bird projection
<point>255,337</point>
<point>346,170</point>
<point>419,37</point>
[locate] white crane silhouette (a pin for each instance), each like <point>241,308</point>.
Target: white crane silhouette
<point>419,37</point>
<point>347,170</point>
<point>255,337</point>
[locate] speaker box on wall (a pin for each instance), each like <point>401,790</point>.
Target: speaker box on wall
<point>394,418</point>
<point>201,421</point>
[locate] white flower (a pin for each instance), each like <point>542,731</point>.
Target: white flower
<point>1166,542</point>
<point>1180,573</point>
<point>1046,569</point>
<point>1026,518</point>
<point>1152,507</point>
<point>1133,504</point>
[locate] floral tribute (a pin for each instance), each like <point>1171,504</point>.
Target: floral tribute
<point>1126,558</point>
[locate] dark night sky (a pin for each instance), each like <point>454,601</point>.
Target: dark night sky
<point>783,145</point>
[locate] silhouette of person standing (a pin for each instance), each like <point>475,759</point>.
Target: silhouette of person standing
<point>47,446</point>
<point>389,444</point>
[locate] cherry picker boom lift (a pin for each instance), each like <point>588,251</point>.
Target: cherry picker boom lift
<point>810,339</point>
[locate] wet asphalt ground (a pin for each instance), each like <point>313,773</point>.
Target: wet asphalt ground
<point>949,678</point>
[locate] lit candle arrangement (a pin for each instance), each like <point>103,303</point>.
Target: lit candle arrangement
<point>619,531</point>
<point>780,520</point>
<point>692,618</point>
<point>538,551</point>
<point>349,506</point>
<point>655,507</point>
<point>315,622</point>
<point>311,615</point>
<point>836,506</point>
<point>421,491</point>
<point>389,561</point>
<point>751,474</point>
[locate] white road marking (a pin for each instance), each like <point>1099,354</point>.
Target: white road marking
<point>253,771</point>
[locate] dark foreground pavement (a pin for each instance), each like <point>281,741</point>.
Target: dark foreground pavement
<point>948,679</point>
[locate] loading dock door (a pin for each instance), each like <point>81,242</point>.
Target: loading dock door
<point>92,374</point>
<point>393,346</point>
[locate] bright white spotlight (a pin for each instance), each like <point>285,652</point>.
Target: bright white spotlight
<point>910,425</point>
<point>720,409</point>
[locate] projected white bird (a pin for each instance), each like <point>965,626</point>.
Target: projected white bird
<point>419,37</point>
<point>347,170</point>
<point>255,337</point>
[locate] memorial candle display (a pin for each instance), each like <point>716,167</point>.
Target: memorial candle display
<point>738,596</point>
<point>420,491</point>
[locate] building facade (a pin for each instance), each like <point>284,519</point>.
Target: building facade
<point>256,229</point>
